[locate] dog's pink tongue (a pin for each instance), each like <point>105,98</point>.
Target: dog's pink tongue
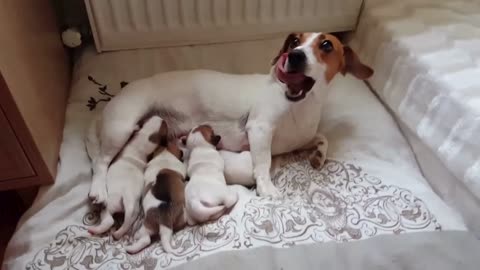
<point>287,77</point>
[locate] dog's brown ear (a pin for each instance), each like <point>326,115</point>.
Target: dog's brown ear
<point>285,47</point>
<point>354,66</point>
<point>216,139</point>
<point>163,134</point>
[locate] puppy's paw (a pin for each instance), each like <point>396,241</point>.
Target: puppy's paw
<point>138,245</point>
<point>317,159</point>
<point>95,230</point>
<point>117,235</point>
<point>265,188</point>
<point>98,194</point>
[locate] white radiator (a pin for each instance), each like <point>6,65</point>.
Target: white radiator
<point>130,24</point>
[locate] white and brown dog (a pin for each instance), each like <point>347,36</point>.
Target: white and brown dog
<point>207,195</point>
<point>268,107</point>
<point>125,179</point>
<point>164,195</point>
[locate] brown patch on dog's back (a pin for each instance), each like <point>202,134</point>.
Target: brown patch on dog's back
<point>208,134</point>
<point>169,187</point>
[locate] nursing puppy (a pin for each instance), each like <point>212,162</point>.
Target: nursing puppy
<point>125,179</point>
<point>207,195</point>
<point>164,200</point>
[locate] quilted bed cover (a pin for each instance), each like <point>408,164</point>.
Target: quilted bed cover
<point>369,204</point>
<point>426,54</point>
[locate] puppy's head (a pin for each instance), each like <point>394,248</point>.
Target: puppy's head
<point>165,144</point>
<point>202,135</point>
<point>142,137</point>
<point>309,58</point>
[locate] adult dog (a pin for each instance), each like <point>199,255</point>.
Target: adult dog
<point>280,111</point>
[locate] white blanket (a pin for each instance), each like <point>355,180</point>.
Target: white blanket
<point>370,186</point>
<point>427,57</point>
<point>427,60</point>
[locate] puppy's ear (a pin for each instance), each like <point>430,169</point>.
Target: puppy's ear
<point>285,47</point>
<point>181,156</point>
<point>163,134</point>
<point>216,139</point>
<point>354,66</point>
<point>183,139</point>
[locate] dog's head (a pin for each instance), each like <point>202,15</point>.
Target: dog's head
<point>165,144</point>
<point>309,58</point>
<point>201,136</point>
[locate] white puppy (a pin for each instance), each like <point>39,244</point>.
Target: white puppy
<point>164,199</point>
<point>125,179</point>
<point>207,195</point>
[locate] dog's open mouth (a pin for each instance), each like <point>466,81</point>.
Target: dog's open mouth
<point>298,83</point>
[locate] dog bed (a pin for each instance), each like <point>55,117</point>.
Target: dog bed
<point>369,196</point>
<point>427,57</point>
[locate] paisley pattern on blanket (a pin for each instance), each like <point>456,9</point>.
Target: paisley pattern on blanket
<point>340,203</point>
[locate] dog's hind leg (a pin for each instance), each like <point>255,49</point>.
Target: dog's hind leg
<point>116,127</point>
<point>132,209</point>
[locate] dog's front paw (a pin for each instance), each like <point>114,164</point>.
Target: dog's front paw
<point>98,194</point>
<point>265,188</point>
<point>317,159</point>
<point>319,155</point>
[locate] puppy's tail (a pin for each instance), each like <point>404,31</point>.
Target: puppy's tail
<point>201,212</point>
<point>166,237</point>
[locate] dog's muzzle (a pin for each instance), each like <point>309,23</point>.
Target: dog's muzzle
<point>298,85</point>
<point>297,62</point>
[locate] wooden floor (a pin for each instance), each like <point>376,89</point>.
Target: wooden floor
<point>12,208</point>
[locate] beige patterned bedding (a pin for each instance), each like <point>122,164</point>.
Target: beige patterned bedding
<point>370,186</point>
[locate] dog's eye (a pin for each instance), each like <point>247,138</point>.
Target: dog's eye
<point>326,46</point>
<point>295,43</point>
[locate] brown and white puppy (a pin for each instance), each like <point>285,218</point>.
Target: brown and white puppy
<point>163,201</point>
<point>207,195</point>
<point>125,179</point>
<point>268,107</point>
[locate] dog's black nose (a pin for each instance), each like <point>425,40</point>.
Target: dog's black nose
<point>296,61</point>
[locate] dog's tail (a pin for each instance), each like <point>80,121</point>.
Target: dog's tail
<point>171,218</point>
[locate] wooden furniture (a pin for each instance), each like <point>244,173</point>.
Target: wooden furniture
<point>34,81</point>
